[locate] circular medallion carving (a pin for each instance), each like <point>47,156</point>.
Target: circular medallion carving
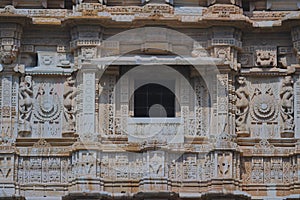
<point>264,108</point>
<point>48,106</point>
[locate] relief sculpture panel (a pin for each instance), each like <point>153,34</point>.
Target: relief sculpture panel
<point>41,106</point>
<point>219,117</point>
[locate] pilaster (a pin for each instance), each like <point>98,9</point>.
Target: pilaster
<point>10,36</point>
<point>87,82</point>
<point>85,43</point>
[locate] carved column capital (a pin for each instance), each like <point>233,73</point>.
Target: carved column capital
<point>10,36</point>
<point>225,43</point>
<point>86,40</point>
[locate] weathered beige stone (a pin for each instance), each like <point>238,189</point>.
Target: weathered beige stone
<point>149,99</point>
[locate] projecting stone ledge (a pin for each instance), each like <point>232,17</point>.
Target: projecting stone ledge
<point>157,60</point>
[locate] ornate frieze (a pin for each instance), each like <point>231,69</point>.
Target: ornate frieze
<point>223,11</point>
<point>276,170</point>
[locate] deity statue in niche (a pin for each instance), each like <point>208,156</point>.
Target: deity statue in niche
<point>287,106</point>
<point>69,105</point>
<point>242,105</point>
<point>25,104</point>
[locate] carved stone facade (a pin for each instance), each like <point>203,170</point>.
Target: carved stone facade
<point>149,99</point>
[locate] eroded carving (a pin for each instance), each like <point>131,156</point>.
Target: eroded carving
<point>156,167</point>
<point>8,56</point>
<point>69,105</point>
<point>242,105</point>
<point>266,58</point>
<point>287,106</point>
<point>88,52</point>
<point>224,165</point>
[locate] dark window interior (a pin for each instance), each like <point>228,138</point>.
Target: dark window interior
<point>154,100</point>
<point>246,5</point>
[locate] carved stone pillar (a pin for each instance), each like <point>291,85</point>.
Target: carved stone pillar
<point>226,158</point>
<point>222,102</point>
<point>296,44</point>
<point>296,40</point>
<point>10,35</point>
<point>87,82</point>
<point>10,42</point>
<point>225,43</point>
<point>85,42</point>
<point>110,125</point>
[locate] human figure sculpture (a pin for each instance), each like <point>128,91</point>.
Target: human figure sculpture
<point>287,95</point>
<point>242,105</point>
<point>25,104</point>
<point>69,103</point>
<point>287,101</point>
